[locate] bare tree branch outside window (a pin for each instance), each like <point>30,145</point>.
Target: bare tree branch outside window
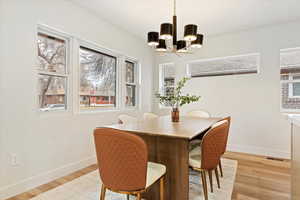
<point>97,79</point>
<point>52,72</point>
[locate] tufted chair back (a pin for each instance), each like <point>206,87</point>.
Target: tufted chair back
<point>122,159</point>
<point>212,145</point>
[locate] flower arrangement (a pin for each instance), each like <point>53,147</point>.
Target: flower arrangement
<point>177,99</point>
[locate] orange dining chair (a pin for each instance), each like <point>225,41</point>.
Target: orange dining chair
<point>198,114</point>
<point>223,149</point>
<point>123,164</point>
<point>206,157</point>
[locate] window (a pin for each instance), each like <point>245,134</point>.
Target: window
<point>52,71</point>
<point>130,81</point>
<point>97,79</point>
<point>290,79</point>
<point>167,78</point>
<point>243,64</point>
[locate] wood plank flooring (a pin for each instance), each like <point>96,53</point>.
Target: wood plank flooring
<point>258,178</point>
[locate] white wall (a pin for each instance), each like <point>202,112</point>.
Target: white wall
<point>253,100</point>
<point>52,144</point>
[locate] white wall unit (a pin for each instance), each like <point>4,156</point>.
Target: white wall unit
<point>253,100</point>
<point>295,121</point>
<point>49,145</point>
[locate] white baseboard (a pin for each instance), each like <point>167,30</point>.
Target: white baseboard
<point>32,182</point>
<point>259,151</point>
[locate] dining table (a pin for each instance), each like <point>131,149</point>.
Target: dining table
<point>168,144</point>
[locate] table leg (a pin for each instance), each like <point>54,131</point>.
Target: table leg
<point>174,153</point>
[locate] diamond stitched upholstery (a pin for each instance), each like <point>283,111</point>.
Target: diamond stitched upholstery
<point>122,159</point>
<point>208,155</point>
<point>212,146</point>
<point>228,119</point>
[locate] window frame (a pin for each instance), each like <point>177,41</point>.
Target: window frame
<point>290,81</point>
<point>135,83</point>
<point>43,29</point>
<point>224,73</point>
<point>161,81</point>
<point>97,48</point>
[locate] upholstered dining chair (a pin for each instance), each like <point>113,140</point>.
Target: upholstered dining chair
<point>223,150</point>
<point>123,164</point>
<point>126,119</point>
<point>198,113</point>
<point>206,158</point>
<point>149,116</point>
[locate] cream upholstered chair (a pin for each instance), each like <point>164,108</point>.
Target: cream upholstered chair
<point>123,164</point>
<point>126,119</point>
<point>206,157</point>
<point>198,113</point>
<point>149,116</point>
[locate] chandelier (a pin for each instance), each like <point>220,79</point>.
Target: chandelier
<point>162,42</point>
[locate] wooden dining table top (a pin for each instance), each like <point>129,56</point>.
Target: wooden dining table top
<point>187,128</point>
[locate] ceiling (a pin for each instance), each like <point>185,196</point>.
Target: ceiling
<point>212,16</point>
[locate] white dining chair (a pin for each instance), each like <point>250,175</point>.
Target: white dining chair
<point>126,119</point>
<point>150,116</point>
<point>198,113</point>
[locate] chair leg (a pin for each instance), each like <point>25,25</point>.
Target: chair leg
<point>162,188</point>
<point>221,170</point>
<point>127,195</point>
<point>138,196</point>
<point>204,184</point>
<point>103,190</point>
<point>210,181</point>
<point>217,177</point>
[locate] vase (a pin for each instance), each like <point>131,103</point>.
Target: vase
<point>175,115</point>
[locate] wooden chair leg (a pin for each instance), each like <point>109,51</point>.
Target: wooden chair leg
<point>217,177</point>
<point>162,188</point>
<point>204,184</point>
<point>127,195</point>
<point>138,196</point>
<point>210,181</point>
<point>221,170</point>
<point>103,190</point>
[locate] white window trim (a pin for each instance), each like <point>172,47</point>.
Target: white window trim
<point>136,83</point>
<point>73,43</point>
<point>283,110</point>
<point>291,88</point>
<point>68,74</point>
<point>161,82</point>
<point>119,59</point>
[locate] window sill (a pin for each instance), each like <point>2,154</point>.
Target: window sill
<point>84,112</point>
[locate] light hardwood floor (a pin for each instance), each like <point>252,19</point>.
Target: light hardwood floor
<point>258,178</point>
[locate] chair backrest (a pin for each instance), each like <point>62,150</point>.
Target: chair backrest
<point>150,116</point>
<point>122,159</point>
<point>212,145</point>
<point>228,119</point>
<point>198,113</point>
<point>126,119</point>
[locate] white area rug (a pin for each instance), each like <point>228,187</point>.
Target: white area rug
<point>87,187</point>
